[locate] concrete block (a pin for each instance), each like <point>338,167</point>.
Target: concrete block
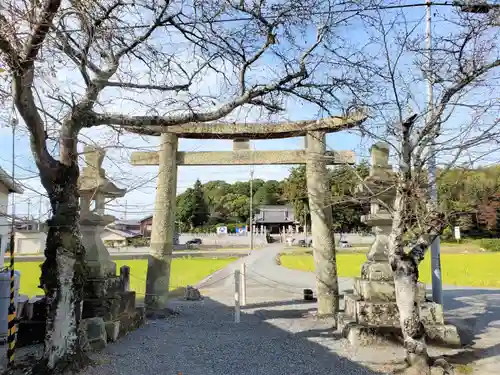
<point>372,290</point>
<point>22,306</point>
<point>443,335</point>
<point>94,333</point>
<point>376,271</point>
<point>112,330</point>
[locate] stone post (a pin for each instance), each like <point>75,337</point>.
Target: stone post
<point>158,275</point>
<point>323,243</point>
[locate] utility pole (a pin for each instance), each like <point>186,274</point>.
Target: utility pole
<point>437,284</point>
<point>39,213</point>
<point>29,208</point>
<point>305,226</point>
<point>125,215</point>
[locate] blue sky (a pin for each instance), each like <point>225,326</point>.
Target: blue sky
<point>141,180</point>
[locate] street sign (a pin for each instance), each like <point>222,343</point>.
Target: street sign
<point>221,230</point>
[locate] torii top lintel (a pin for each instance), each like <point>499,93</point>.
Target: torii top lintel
<point>228,130</point>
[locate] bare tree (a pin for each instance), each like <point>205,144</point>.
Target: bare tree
<point>78,64</point>
<point>462,123</point>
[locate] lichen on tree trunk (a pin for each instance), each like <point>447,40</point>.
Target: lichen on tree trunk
<point>63,271</point>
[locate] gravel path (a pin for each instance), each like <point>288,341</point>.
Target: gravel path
<point>204,340</point>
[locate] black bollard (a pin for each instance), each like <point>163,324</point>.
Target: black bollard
<point>308,295</point>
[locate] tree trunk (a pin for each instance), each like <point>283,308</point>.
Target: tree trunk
<point>405,269</point>
<point>63,270</point>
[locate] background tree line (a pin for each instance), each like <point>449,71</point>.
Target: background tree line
<point>217,202</point>
<point>204,206</point>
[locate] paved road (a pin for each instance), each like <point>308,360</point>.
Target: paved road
<point>262,265</point>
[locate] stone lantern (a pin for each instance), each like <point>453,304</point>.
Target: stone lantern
<point>109,309</point>
<point>95,188</point>
<point>371,313</point>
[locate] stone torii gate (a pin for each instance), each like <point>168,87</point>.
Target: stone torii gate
<point>314,156</point>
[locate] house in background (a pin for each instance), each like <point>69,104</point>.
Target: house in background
<point>30,236</point>
<point>274,218</point>
<point>7,187</point>
<point>146,226</point>
<point>121,232</point>
<point>118,238</point>
<point>133,226</point>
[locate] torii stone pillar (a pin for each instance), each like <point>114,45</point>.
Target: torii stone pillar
<point>163,227</point>
<point>323,242</point>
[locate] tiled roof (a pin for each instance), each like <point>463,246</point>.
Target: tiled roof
<point>275,214</point>
<point>12,186</point>
<point>124,233</point>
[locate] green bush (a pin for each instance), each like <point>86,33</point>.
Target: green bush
<point>490,244</point>
<point>447,234</point>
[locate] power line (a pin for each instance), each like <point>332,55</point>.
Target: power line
<point>268,17</point>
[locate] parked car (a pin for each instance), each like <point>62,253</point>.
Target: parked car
<point>344,244</point>
<point>194,241</point>
<point>305,243</point>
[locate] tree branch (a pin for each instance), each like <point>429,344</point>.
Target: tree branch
<point>40,33</point>
<point>181,87</point>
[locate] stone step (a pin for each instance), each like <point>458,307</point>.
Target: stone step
<point>386,314</point>
<point>359,335</point>
<point>371,290</point>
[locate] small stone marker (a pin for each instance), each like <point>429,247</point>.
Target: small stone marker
<point>192,294</point>
<point>125,278</point>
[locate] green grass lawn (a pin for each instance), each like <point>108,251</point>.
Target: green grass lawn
<point>478,269</point>
<point>185,271</point>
